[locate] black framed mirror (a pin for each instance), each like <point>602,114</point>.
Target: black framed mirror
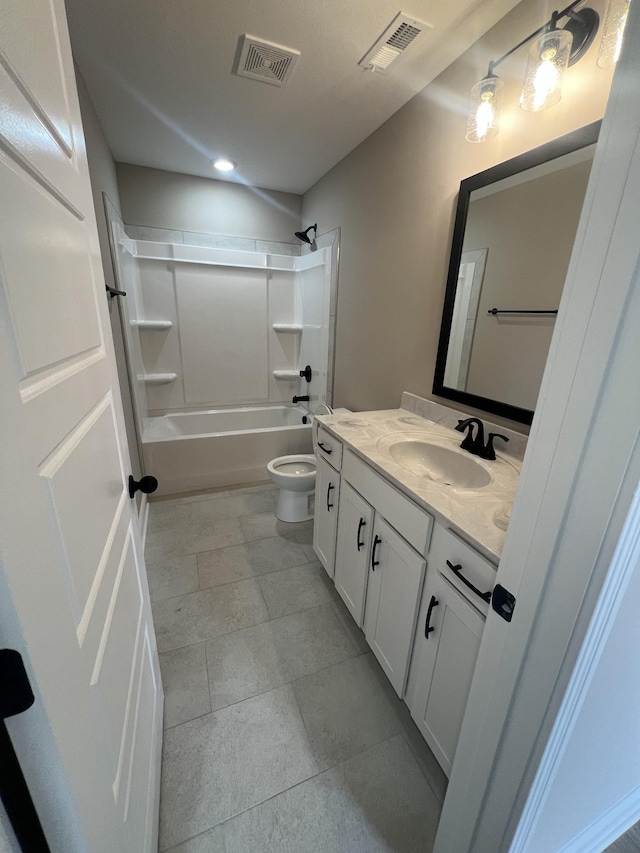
<point>514,229</point>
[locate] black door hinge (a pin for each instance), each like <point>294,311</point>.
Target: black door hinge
<point>16,694</point>
<point>503,602</point>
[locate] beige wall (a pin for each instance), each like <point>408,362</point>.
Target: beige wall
<point>159,199</point>
<point>102,171</point>
<point>394,198</point>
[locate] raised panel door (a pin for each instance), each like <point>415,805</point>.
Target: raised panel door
<point>444,658</point>
<point>355,522</point>
<point>74,598</point>
<point>396,572</point>
<point>326,514</point>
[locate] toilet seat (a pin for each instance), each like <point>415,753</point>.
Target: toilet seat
<point>294,465</point>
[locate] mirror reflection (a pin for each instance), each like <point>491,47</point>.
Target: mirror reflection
<point>514,232</point>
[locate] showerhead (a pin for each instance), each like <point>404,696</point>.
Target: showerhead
<point>303,235</point>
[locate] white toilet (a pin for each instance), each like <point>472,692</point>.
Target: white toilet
<point>295,476</point>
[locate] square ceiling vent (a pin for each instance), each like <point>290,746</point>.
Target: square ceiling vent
<point>400,33</point>
<point>265,61</point>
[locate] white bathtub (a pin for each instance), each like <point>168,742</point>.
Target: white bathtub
<point>220,447</point>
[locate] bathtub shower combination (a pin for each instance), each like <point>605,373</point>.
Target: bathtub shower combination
<point>219,447</point>
<point>216,343</point>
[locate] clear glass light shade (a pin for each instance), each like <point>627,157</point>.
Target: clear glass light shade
<point>548,60</point>
<point>484,109</point>
<point>612,33</point>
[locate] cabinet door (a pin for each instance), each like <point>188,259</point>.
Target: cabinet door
<point>355,522</point>
<point>326,514</point>
<point>444,658</point>
<point>395,579</point>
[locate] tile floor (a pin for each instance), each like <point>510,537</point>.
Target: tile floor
<point>282,732</point>
<point>627,843</point>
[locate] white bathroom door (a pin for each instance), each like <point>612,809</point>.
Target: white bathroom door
<point>73,594</point>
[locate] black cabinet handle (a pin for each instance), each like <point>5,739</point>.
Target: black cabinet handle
<point>376,541</point>
<point>362,524</point>
<point>326,449</point>
<point>427,627</point>
<point>329,487</point>
<point>457,570</point>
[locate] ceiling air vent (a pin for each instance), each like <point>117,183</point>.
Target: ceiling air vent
<point>265,61</point>
<point>400,33</point>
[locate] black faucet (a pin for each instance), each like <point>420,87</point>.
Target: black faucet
<point>305,399</point>
<point>476,444</point>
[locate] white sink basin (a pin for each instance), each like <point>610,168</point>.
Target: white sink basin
<point>441,464</point>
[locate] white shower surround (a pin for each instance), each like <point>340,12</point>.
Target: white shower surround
<point>218,443</point>
<point>228,308</point>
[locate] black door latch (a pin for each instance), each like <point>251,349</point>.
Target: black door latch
<point>503,602</point>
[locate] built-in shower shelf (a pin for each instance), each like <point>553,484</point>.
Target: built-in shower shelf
<point>153,325</point>
<point>288,328</point>
<point>159,378</point>
<point>286,374</point>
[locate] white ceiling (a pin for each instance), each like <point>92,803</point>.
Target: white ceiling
<point>160,75</point>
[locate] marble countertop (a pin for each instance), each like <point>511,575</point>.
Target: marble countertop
<point>480,516</point>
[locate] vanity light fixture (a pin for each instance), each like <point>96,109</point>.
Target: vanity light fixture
<point>613,31</point>
<point>552,51</point>
<point>223,164</point>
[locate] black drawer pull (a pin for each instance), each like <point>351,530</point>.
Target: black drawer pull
<point>362,524</point>
<point>427,627</point>
<point>376,541</point>
<point>327,450</point>
<point>329,487</point>
<point>457,570</point>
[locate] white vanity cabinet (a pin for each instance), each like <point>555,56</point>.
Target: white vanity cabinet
<point>450,626</point>
<point>382,537</point>
<point>325,524</point>
<point>375,563</point>
<point>353,545</point>
<point>420,592</point>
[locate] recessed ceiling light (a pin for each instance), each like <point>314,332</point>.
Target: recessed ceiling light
<point>222,164</point>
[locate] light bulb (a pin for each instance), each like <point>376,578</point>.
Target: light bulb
<point>548,60</point>
<point>484,109</point>
<point>485,119</point>
<point>545,82</point>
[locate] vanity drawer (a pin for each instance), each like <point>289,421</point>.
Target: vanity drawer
<point>447,548</point>
<point>411,522</point>
<point>329,448</point>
